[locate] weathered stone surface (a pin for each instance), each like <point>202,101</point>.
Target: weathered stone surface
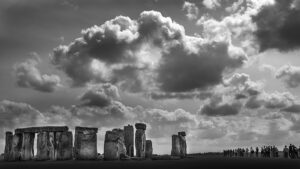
<point>140,126</point>
<point>129,138</point>
<point>64,145</point>
<point>111,148</point>
<point>175,145</point>
<point>8,145</point>
<point>149,149</point>
<point>114,146</point>
<point>27,150</point>
<point>42,129</point>
<point>51,146</point>
<point>86,143</point>
<point>15,154</point>
<point>140,140</point>
<point>42,146</point>
<point>182,142</point>
<point>121,142</point>
<point>182,133</point>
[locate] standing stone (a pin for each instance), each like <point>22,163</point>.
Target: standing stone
<point>51,146</point>
<point>129,137</point>
<point>86,143</point>
<point>27,151</point>
<point>8,145</point>
<point>111,147</point>
<point>121,142</point>
<point>15,154</point>
<point>140,139</point>
<point>64,145</point>
<point>175,145</point>
<point>149,149</point>
<point>182,142</point>
<point>42,146</point>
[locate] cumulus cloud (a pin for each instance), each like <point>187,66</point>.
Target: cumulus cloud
<point>29,76</point>
<point>100,95</point>
<point>290,75</point>
<point>235,6</point>
<point>277,27</point>
<point>14,114</point>
<point>211,4</point>
<point>191,10</point>
<point>152,51</point>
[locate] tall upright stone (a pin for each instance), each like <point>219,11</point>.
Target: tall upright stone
<point>175,145</point>
<point>149,149</point>
<point>27,151</point>
<point>111,146</point>
<point>182,142</point>
<point>129,138</point>
<point>114,146</point>
<point>8,145</point>
<point>42,146</point>
<point>64,145</point>
<point>140,139</point>
<point>15,154</point>
<point>51,146</point>
<point>86,143</point>
<point>121,142</point>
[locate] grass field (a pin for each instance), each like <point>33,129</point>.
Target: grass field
<point>201,162</point>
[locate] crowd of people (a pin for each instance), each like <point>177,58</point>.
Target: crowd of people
<point>290,151</point>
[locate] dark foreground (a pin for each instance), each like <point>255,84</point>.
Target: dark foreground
<point>209,162</point>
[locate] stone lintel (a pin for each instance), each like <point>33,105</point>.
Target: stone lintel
<point>42,129</point>
<point>82,129</point>
<point>182,133</point>
<point>140,126</point>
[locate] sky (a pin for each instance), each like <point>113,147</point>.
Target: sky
<point>226,72</point>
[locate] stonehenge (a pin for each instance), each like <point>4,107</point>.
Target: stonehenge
<point>140,140</point>
<point>85,143</point>
<point>179,145</point>
<point>56,143</point>
<point>129,137</point>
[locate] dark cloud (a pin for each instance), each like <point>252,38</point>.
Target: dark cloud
<point>253,103</point>
<point>215,108</point>
<point>29,76</point>
<point>240,96</point>
<point>278,26</point>
<point>179,95</point>
<point>295,108</point>
<point>290,75</point>
<point>101,95</point>
<point>183,70</point>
